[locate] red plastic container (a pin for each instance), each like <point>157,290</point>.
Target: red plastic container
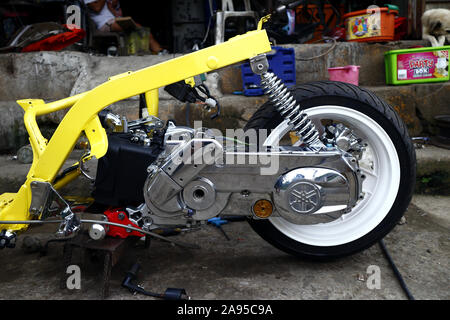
<point>370,25</point>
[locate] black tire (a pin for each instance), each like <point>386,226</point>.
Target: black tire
<point>350,96</point>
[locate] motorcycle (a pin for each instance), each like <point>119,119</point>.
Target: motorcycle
<point>323,170</point>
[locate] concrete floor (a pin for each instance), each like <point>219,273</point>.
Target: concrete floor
<point>249,268</point>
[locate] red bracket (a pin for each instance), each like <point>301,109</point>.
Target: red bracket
<point>118,215</point>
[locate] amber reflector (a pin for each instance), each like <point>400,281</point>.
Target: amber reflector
<point>262,208</point>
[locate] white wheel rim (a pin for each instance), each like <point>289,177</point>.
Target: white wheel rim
<point>380,187</point>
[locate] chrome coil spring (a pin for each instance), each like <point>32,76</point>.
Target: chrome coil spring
<point>289,109</point>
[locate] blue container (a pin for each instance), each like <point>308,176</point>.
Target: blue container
<point>282,63</point>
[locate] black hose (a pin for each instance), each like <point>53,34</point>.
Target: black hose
<point>131,275</point>
<point>170,294</point>
<point>66,172</point>
<point>396,272</point>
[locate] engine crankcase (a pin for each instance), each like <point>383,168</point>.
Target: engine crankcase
<point>306,187</point>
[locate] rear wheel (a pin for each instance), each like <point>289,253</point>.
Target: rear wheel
<point>388,164</point>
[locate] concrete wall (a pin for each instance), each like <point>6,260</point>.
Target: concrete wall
<point>55,75</point>
<point>443,4</point>
<point>369,56</point>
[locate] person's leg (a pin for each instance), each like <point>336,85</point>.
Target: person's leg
<point>111,26</point>
<point>154,45</point>
<point>115,27</point>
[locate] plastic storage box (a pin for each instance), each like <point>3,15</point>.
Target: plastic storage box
<point>418,65</point>
<point>349,74</point>
<point>370,25</point>
<point>282,63</point>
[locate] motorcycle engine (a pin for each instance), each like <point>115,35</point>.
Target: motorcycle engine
<point>122,172</point>
<point>146,172</point>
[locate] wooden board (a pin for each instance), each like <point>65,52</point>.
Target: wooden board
<point>127,23</point>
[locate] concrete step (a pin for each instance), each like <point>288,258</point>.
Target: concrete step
<point>55,75</point>
<point>369,56</point>
<point>417,104</point>
<point>433,170</point>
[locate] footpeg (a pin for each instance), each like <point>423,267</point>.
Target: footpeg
<point>7,239</point>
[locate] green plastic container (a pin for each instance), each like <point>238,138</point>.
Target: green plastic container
<point>418,65</point>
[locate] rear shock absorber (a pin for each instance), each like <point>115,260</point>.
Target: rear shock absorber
<point>285,103</point>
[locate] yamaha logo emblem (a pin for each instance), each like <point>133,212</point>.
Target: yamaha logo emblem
<point>304,197</point>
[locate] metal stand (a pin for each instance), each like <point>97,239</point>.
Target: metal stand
<point>112,248</point>
<point>228,12</point>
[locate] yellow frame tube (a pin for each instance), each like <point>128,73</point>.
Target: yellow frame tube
<point>152,99</point>
<point>86,108</point>
<point>82,115</point>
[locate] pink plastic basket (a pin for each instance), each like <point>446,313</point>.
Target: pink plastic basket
<point>349,74</point>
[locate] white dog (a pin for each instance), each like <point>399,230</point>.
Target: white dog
<point>436,26</point>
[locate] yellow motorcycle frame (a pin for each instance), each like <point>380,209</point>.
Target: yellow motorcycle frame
<point>49,156</point>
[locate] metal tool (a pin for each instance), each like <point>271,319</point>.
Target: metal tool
<point>218,222</point>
